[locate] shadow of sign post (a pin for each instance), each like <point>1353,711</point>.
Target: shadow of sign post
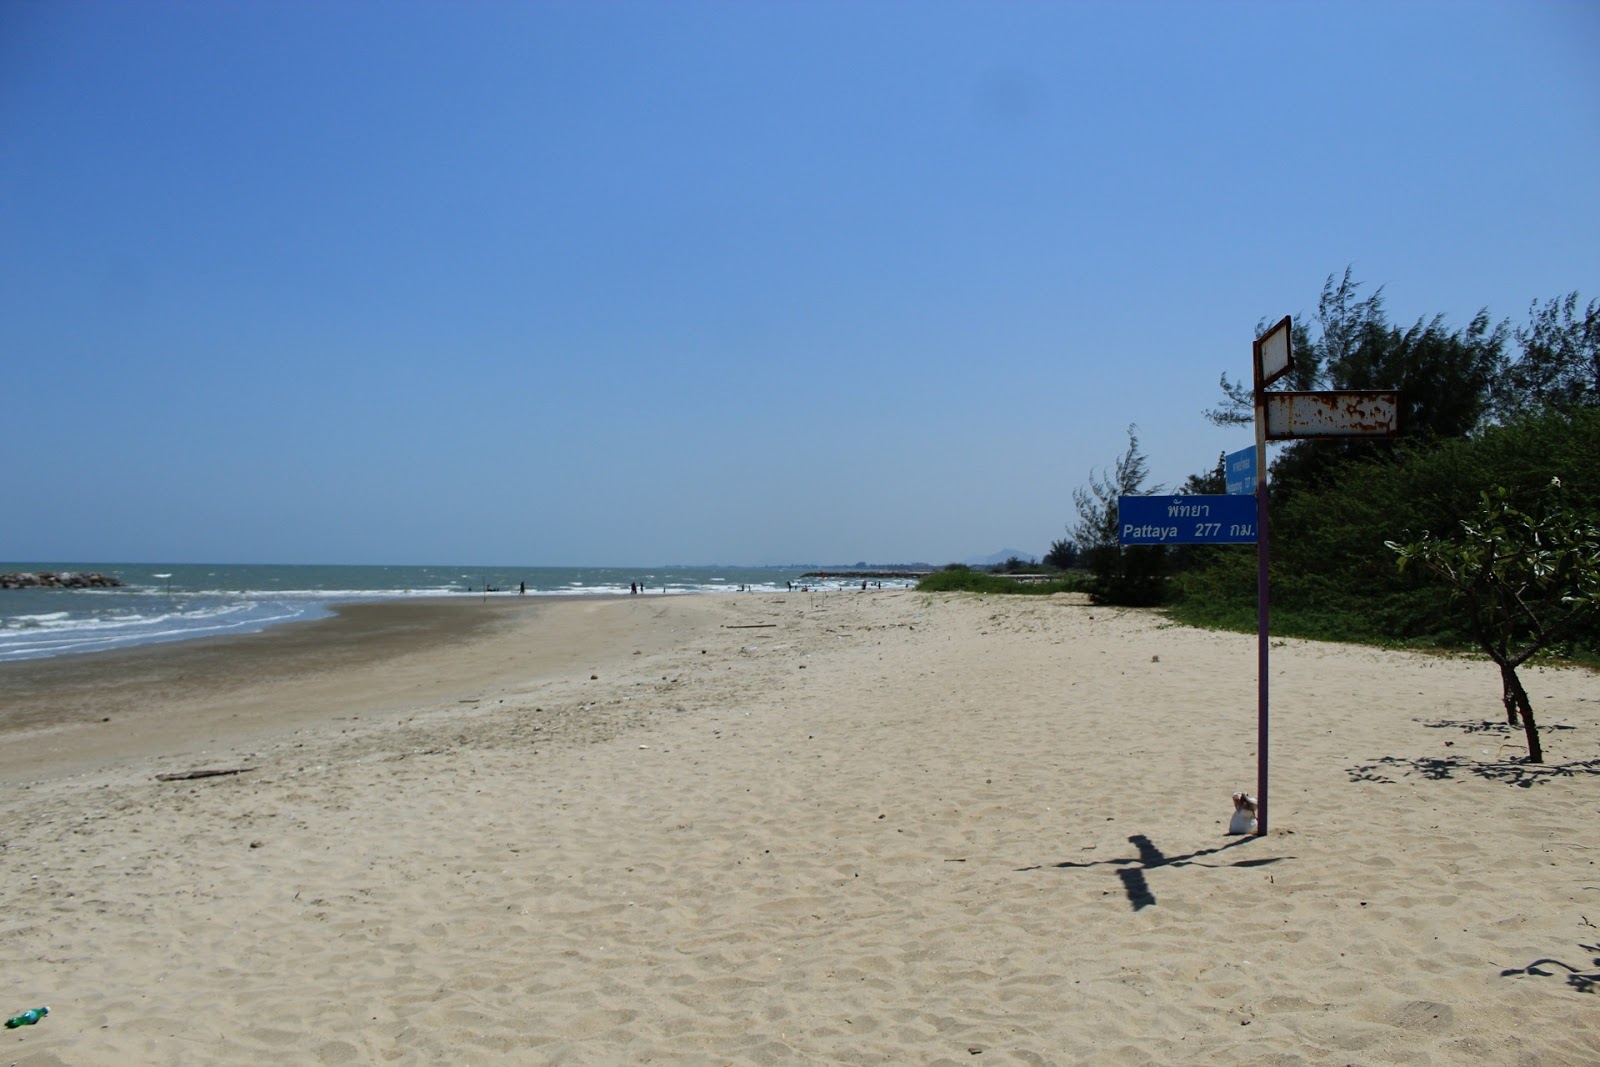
<point>1133,870</point>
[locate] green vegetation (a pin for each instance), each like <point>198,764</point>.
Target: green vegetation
<point>1486,409</point>
<point>1063,555</point>
<point>1333,575</point>
<point>1526,576</point>
<point>1118,575</point>
<point>957,578</point>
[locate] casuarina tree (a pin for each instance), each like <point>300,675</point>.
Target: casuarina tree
<point>1119,575</point>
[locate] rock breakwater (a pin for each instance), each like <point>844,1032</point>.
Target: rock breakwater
<point>58,580</point>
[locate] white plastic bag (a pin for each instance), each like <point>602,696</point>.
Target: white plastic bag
<point>1244,814</point>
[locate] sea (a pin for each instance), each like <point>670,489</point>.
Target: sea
<point>184,601</point>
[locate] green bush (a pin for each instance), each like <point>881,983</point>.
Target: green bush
<point>1334,579</point>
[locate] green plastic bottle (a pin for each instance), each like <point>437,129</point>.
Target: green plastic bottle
<point>27,1018</point>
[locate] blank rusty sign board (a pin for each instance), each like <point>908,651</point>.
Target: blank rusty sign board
<point>1361,413</point>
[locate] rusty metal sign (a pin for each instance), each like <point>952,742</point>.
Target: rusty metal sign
<point>1273,353</point>
<point>1361,413</point>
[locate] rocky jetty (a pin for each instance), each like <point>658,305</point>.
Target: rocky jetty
<point>867,574</point>
<point>63,580</point>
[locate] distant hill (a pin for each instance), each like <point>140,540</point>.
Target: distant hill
<point>998,557</point>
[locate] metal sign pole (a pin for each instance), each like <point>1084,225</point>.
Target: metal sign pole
<point>1272,356</point>
<point>1262,644</point>
<point>1295,416</point>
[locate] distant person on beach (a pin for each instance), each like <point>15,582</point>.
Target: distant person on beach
<point>522,588</point>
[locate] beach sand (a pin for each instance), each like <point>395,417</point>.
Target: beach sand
<point>851,828</point>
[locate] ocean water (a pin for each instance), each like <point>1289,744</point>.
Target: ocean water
<point>176,602</point>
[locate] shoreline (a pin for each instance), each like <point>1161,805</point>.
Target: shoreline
<point>54,712</point>
<point>843,828</point>
<point>194,601</point>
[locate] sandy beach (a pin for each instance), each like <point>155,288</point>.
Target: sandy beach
<point>850,828</point>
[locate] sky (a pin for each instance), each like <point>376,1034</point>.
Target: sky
<point>719,282</point>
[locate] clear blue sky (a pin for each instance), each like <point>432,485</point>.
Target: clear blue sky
<point>634,283</point>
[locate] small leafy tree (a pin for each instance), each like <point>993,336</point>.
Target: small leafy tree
<point>1063,555</point>
<point>1121,575</point>
<point>1526,576</point>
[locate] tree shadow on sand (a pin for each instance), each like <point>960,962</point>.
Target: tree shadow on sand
<point>1579,979</point>
<point>1489,726</point>
<point>1516,771</point>
<point>1444,768</point>
<point>1134,868</point>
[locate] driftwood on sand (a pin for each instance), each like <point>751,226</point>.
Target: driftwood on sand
<point>213,772</point>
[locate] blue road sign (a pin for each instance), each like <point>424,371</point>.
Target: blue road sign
<point>1187,520</point>
<point>1239,471</point>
